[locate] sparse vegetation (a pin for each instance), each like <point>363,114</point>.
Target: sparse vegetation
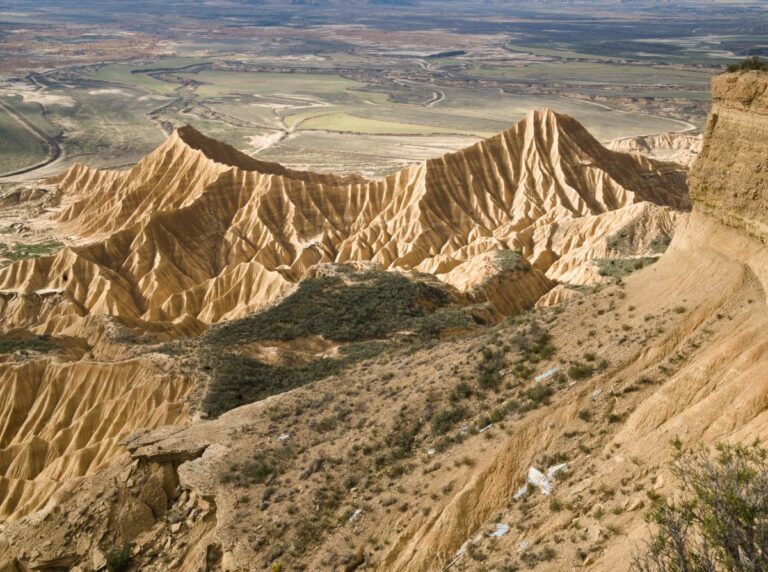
<point>618,268</point>
<point>339,475</point>
<point>539,394</point>
<point>627,241</point>
<point>42,343</point>
<point>624,240</point>
<point>534,345</point>
<point>258,470</point>
<point>489,369</point>
<point>462,391</point>
<point>432,325</point>
<point>444,420</point>
<point>511,260</point>
<point>751,63</point>
<point>580,370</point>
<point>119,559</point>
<point>353,307</point>
<point>660,243</point>
<point>532,558</point>
<point>402,439</point>
<point>21,251</point>
<point>585,415</point>
<point>240,379</point>
<point>349,307</point>
<point>720,521</point>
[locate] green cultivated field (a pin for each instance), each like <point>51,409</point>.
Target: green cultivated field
<point>308,120</point>
<point>600,73</point>
<point>19,146</point>
<point>120,75</point>
<point>219,83</point>
<point>365,87</point>
<point>344,122</point>
<point>331,121</point>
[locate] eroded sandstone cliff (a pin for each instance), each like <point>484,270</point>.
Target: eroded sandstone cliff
<point>731,177</point>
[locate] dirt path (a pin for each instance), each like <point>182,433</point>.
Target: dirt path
<point>437,94</point>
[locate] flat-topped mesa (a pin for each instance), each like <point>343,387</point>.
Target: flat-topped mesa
<point>729,179</point>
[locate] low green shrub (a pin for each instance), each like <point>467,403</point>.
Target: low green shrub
<point>751,63</point>
<point>579,370</point>
<point>443,421</point>
<point>119,559</point>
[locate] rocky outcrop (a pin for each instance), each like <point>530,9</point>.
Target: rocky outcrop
<point>681,148</point>
<point>198,233</point>
<point>730,178</point>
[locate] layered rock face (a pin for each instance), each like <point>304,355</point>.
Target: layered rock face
<point>682,148</point>
<point>730,179</point>
<point>686,356</point>
<point>198,231</point>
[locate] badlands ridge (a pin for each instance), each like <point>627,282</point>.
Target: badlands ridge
<point>379,463</point>
<point>198,232</point>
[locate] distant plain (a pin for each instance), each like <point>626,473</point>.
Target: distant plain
<point>340,89</point>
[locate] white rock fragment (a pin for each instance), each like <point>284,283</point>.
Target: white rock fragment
<point>542,481</point>
<point>547,374</point>
<point>521,492</point>
<point>554,470</point>
<point>501,530</point>
<point>355,515</point>
<point>284,437</point>
<point>539,480</point>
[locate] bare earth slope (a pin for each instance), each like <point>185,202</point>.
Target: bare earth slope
<point>197,235</point>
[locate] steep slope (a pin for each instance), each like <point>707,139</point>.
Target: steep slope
<point>62,421</point>
<point>411,460</point>
<point>170,178</point>
<point>200,232</point>
<point>731,179</point>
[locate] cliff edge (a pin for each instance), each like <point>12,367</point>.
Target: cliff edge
<point>729,180</point>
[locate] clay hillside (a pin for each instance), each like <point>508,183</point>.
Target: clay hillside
<point>235,366</point>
